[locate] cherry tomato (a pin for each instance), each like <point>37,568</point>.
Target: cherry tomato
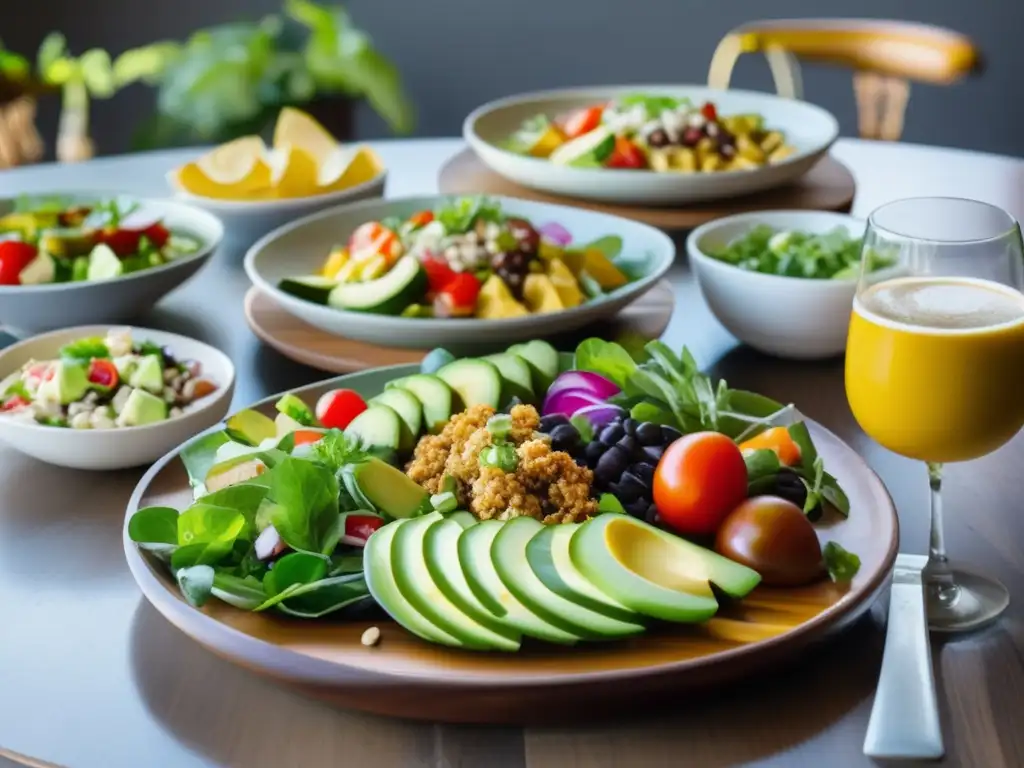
<point>626,155</point>
<point>362,526</point>
<point>709,112</point>
<point>14,257</point>
<point>123,242</point>
<point>373,238</point>
<point>421,219</point>
<point>157,234</point>
<point>104,373</point>
<point>306,436</point>
<point>774,537</point>
<point>462,290</point>
<point>337,408</point>
<point>776,439</point>
<point>13,403</point>
<point>582,121</point>
<point>699,480</point>
<point>439,274</point>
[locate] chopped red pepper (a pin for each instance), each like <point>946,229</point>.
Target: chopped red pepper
<point>626,155</point>
<point>458,297</point>
<point>337,408</point>
<point>13,403</point>
<point>439,274</point>
<point>14,257</point>
<point>103,373</point>
<point>362,526</point>
<point>421,219</point>
<point>582,121</point>
<point>709,112</point>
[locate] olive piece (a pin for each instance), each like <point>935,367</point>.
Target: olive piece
<point>628,492</point>
<point>637,508</point>
<point>648,433</point>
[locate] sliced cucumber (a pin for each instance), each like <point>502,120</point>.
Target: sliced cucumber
<point>378,426</point>
<point>515,377</point>
<point>587,151</point>
<point>407,406</point>
<point>475,381</point>
<point>542,359</point>
<point>315,288</point>
<point>434,395</point>
<point>405,284</point>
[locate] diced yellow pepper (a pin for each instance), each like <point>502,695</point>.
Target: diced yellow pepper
<point>496,301</point>
<point>547,142</point>
<point>565,283</point>
<point>540,294</point>
<point>599,267</point>
<point>334,263</point>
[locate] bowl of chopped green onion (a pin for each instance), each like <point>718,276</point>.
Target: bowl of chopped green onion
<point>782,281</point>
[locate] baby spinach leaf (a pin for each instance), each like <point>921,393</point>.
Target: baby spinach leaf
<point>326,596</point>
<point>762,464</point>
<point>199,455</point>
<point>842,565</point>
<point>154,525</point>
<point>294,568</point>
<point>608,503</point>
<point>244,497</point>
<point>606,358</point>
<point>245,593</point>
<point>306,513</point>
<point>347,562</point>
<point>83,351</point>
<point>196,584</point>
<point>206,534</point>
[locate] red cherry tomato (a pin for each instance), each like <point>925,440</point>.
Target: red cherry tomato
<point>626,155</point>
<point>14,257</point>
<point>104,373</point>
<point>362,526</point>
<point>699,480</point>
<point>421,219</point>
<point>582,121</point>
<point>306,436</point>
<point>439,274</point>
<point>462,290</point>
<point>337,408</point>
<point>709,112</point>
<point>13,403</point>
<point>157,234</point>
<point>123,242</point>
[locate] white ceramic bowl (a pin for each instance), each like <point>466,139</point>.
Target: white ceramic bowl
<point>27,309</point>
<point>810,129</point>
<point>791,317</point>
<point>300,248</point>
<point>103,449</point>
<point>248,221</point>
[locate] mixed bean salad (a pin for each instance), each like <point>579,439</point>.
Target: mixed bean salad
<point>56,241</point>
<point>104,383</point>
<point>467,258</point>
<point>483,502</point>
<point>656,133</point>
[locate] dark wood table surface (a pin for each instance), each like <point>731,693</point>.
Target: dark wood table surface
<point>91,676</point>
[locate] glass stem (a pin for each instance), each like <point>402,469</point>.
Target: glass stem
<point>941,584</point>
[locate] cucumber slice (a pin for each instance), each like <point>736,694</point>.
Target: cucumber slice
<point>377,426</point>
<point>434,395</point>
<point>407,406</point>
<point>103,264</point>
<point>475,381</point>
<point>587,151</point>
<point>405,284</point>
<point>542,359</point>
<point>315,288</point>
<point>515,377</point>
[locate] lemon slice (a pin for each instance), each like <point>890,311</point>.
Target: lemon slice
<point>232,171</point>
<point>348,166</point>
<point>297,129</point>
<point>293,171</point>
<point>192,179</point>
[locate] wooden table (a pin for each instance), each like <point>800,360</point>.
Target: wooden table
<point>92,677</point>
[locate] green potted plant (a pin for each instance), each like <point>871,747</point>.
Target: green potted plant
<point>232,80</point>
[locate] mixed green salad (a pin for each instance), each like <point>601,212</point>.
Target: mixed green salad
<point>53,240</point>
<point>484,501</point>
<point>832,255</point>
<point>103,383</point>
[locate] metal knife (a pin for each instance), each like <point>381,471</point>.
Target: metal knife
<point>905,717</point>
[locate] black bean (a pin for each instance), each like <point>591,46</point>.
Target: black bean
<point>630,426</point>
<point>651,515</point>
<point>612,434</point>
<point>644,472</point>
<point>169,360</point>
<point>653,452</point>
<point>565,433</point>
<point>612,464</point>
<point>594,451</point>
<point>670,435</point>
<point>649,433</point>
<point>631,481</point>
<point>637,508</point>
<point>551,421</point>
<point>629,444</point>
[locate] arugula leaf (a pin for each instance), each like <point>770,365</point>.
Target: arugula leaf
<point>842,565</point>
<point>311,601</point>
<point>606,358</point>
<point>241,592</point>
<point>306,514</point>
<point>200,455</point>
<point>83,351</point>
<point>196,584</point>
<point>336,450</point>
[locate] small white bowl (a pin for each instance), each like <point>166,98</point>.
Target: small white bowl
<point>120,448</point>
<point>791,317</point>
<point>246,221</point>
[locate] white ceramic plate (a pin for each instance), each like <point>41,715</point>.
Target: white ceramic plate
<point>301,247</point>
<point>810,129</point>
<point>101,449</point>
<point>27,309</point>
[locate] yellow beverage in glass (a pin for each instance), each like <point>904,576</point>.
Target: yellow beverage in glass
<point>934,366</point>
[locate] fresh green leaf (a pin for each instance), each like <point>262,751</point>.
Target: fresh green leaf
<point>207,534</point>
<point>608,503</point>
<point>610,246</point>
<point>606,358</point>
<point>834,495</point>
<point>201,454</point>
<point>306,513</point>
<point>311,601</point>
<point>648,411</point>
<point>350,561</point>
<point>17,388</point>
<point>635,345</point>
<point>460,215</point>
<point>761,464</point>
<point>336,450</point>
<point>583,426</point>
<point>294,568</point>
<point>244,593</point>
<point>83,351</point>
<point>802,437</point>
<point>842,565</point>
<point>590,286</point>
<point>154,525</point>
<point>53,47</point>
<point>653,105</point>
<point>243,497</point>
<point>196,584</point>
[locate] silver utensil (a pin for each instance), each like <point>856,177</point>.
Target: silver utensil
<point>905,717</point>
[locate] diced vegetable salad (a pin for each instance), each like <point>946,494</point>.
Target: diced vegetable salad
<point>650,132</point>
<point>56,241</point>
<point>467,258</point>
<point>475,498</point>
<point>104,383</point>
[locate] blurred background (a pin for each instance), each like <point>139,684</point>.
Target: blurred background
<point>426,64</point>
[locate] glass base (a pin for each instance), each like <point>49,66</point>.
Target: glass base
<point>959,601</point>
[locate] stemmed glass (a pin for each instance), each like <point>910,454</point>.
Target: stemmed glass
<point>934,358</point>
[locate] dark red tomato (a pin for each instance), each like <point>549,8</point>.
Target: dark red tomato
<point>709,112</point>
<point>362,526</point>
<point>13,403</point>
<point>157,234</point>
<point>774,537</point>
<point>14,257</point>
<point>462,290</point>
<point>439,274</point>
<point>123,242</point>
<point>699,480</point>
<point>337,408</point>
<point>626,155</point>
<point>306,436</point>
<point>103,373</point>
<point>582,121</point>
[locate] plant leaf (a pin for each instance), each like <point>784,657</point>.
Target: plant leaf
<point>609,245</point>
<point>842,565</point>
<point>311,601</point>
<point>154,525</point>
<point>608,503</point>
<point>199,455</point>
<point>196,584</point>
<point>761,464</point>
<point>245,593</point>
<point>206,534</point>
<point>306,513</point>
<point>606,358</point>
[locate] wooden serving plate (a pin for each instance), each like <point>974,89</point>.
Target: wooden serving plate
<point>405,677</point>
<point>297,340</point>
<point>828,186</point>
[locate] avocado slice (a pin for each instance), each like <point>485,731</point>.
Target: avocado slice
<point>285,425</point>
<point>542,359</point>
<point>404,284</point>
<point>475,545</point>
<point>548,556</point>
<point>407,406</point>
<point>315,288</point>
<point>509,555</point>
<point>142,408</point>
<point>295,409</point>
<point>390,490</point>
<point>241,469</point>
<point>378,426</point>
<point>515,377</point>
<point>380,581</point>
<point>422,592</point>
<point>434,395</point>
<point>654,572</point>
<point>251,427</point>
<point>69,383</point>
<point>148,374</point>
<point>463,518</point>
<point>67,244</point>
<point>475,381</point>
